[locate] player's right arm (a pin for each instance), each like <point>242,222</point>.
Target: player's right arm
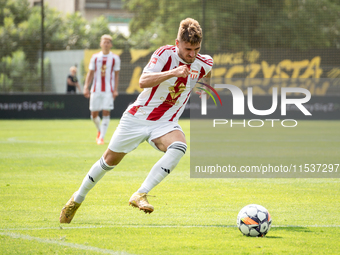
<point>78,86</point>
<point>152,79</point>
<point>88,80</point>
<point>153,73</point>
<point>89,76</point>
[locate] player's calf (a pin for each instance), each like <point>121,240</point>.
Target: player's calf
<point>158,172</point>
<point>164,166</point>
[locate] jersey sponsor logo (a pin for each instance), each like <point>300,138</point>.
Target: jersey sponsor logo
<point>103,70</point>
<point>152,63</point>
<point>138,109</point>
<point>141,111</point>
<point>193,74</point>
<point>170,102</point>
<point>176,91</point>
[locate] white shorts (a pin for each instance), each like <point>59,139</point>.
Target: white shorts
<point>132,131</point>
<point>101,101</point>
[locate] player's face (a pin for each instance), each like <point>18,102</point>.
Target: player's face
<point>105,44</point>
<point>188,51</point>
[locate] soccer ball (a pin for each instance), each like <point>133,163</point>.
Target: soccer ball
<point>254,220</point>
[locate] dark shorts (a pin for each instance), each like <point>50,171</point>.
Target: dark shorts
<point>71,89</point>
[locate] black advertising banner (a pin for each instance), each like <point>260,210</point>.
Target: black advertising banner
<point>77,107</point>
<point>42,106</point>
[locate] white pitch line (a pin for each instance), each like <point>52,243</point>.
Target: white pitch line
<point>305,226</point>
<point>164,226</point>
<point>71,245</point>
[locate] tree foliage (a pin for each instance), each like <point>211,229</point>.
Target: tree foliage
<point>235,24</point>
<point>20,39</point>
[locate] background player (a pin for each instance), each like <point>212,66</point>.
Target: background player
<point>104,72</point>
<point>167,80</point>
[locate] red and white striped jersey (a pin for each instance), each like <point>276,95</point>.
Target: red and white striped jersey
<point>104,67</point>
<point>167,100</point>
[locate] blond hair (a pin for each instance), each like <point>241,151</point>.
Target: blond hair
<point>190,31</point>
<point>106,37</point>
<point>73,68</point>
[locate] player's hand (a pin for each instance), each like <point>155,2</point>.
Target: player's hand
<point>86,92</point>
<point>115,94</point>
<point>200,93</point>
<point>181,71</point>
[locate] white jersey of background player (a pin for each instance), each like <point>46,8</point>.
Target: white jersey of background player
<point>167,81</point>
<point>104,70</point>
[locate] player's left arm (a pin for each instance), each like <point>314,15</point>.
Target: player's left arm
<point>115,90</point>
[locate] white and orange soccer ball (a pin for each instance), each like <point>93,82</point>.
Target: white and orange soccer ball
<point>254,220</point>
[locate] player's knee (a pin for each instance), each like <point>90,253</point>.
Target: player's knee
<point>106,112</point>
<point>178,146</point>
<point>104,165</point>
<point>94,114</point>
<point>112,158</point>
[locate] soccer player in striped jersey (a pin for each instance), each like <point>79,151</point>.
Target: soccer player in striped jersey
<point>167,81</point>
<point>104,72</point>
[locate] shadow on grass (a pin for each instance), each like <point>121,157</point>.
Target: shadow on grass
<point>273,237</point>
<point>292,229</point>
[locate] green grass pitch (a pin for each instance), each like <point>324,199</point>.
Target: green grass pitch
<point>42,162</point>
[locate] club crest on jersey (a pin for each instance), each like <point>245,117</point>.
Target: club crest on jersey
<point>194,74</point>
<point>152,62</point>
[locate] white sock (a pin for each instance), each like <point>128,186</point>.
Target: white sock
<point>164,166</point>
<point>104,126</point>
<point>97,171</point>
<point>96,121</point>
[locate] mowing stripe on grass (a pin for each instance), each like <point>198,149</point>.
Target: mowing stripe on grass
<point>71,245</point>
<point>167,226</point>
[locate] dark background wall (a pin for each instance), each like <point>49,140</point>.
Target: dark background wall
<point>54,106</point>
<point>42,106</point>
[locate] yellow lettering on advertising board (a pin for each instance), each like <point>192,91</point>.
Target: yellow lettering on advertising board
<point>134,82</point>
<point>283,70</point>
